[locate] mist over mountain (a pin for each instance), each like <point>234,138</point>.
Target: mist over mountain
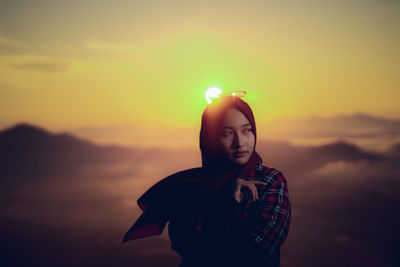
<point>305,158</point>
<point>367,131</point>
<point>28,151</point>
<point>344,125</point>
<point>71,201</point>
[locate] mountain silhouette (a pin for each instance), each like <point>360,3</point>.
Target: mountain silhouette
<point>28,152</point>
<point>302,158</point>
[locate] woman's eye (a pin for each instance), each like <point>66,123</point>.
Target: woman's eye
<point>226,133</point>
<point>248,130</point>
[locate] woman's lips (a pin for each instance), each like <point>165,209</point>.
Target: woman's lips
<point>240,154</point>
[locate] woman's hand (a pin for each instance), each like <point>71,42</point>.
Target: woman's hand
<point>241,183</point>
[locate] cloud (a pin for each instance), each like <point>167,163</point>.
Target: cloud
<point>361,172</point>
<point>330,219</point>
<point>35,63</point>
<point>44,66</point>
<point>340,207</point>
<point>140,135</point>
<point>10,46</point>
<point>115,48</point>
<point>40,63</point>
<point>363,129</point>
<point>359,125</point>
<point>341,169</point>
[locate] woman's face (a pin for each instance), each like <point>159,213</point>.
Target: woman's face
<point>237,137</point>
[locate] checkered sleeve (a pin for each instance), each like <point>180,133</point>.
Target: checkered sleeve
<point>266,222</point>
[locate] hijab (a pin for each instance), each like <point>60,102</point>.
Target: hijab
<point>192,191</point>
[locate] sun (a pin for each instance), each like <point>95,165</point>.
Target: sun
<point>212,93</point>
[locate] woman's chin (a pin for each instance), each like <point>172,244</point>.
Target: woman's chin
<point>240,161</point>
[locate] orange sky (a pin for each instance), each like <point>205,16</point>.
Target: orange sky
<point>72,64</point>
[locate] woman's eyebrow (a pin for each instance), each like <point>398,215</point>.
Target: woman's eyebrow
<point>231,127</point>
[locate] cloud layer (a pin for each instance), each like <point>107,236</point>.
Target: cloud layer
<point>344,208</point>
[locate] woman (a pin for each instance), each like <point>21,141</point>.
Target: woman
<point>231,212</point>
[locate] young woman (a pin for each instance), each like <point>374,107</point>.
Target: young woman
<point>233,211</point>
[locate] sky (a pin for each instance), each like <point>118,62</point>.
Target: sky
<point>74,64</point>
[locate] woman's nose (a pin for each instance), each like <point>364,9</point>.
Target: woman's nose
<point>238,141</point>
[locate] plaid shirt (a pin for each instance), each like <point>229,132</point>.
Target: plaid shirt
<point>261,227</point>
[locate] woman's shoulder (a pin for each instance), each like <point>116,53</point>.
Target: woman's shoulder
<point>267,174</point>
<point>184,175</point>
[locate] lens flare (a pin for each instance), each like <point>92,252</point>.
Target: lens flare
<point>212,93</point>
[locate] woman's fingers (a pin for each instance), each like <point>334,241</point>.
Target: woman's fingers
<point>250,185</point>
<point>259,182</point>
<point>240,181</point>
<point>253,184</point>
<point>237,194</point>
<point>253,190</point>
